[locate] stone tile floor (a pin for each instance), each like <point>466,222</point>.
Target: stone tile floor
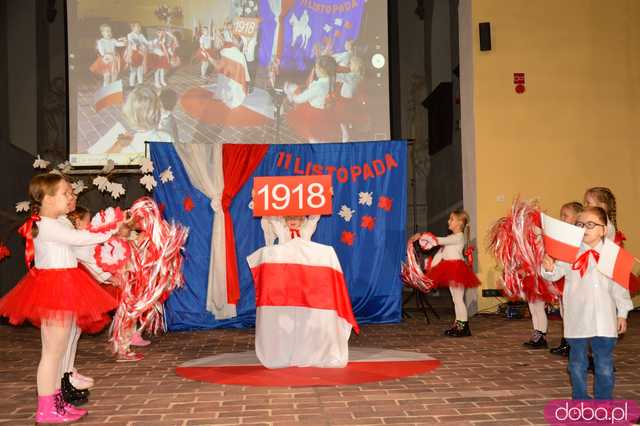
<point>488,378</point>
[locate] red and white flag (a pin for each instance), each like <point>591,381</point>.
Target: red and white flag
<point>561,240</point>
<point>106,96</point>
<point>616,263</point>
<point>303,311</point>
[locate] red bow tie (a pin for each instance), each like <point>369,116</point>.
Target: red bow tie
<point>582,263</point>
<point>293,232</point>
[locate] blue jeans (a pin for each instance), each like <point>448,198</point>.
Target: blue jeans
<point>602,349</point>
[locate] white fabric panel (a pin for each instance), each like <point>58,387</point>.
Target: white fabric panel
<point>297,251</point>
<point>203,163</point>
<point>290,336</point>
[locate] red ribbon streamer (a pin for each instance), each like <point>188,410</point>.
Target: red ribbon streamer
<point>293,232</point>
<point>25,231</point>
<point>582,263</point>
<point>469,254</point>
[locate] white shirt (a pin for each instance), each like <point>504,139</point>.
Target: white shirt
<point>350,82</point>
<point>276,227</point>
<point>611,230</point>
<point>315,94</point>
<point>205,42</point>
<point>249,47</point>
<point>55,241</point>
<point>137,41</point>
<point>107,46</point>
<point>343,59</point>
<point>591,303</point>
<point>452,246</point>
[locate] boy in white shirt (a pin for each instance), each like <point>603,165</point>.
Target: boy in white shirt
<point>595,309</point>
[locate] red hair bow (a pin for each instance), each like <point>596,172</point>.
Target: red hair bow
<point>582,263</point>
<point>25,231</point>
<point>468,253</point>
<point>293,232</point>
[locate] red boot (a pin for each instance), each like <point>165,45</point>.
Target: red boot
<point>51,410</point>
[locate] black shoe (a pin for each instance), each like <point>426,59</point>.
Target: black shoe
<point>71,394</point>
<point>562,350</point>
<point>459,329</point>
<point>538,341</point>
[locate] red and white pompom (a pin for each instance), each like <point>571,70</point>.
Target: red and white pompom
<point>112,255</point>
<point>106,220</point>
<point>427,241</point>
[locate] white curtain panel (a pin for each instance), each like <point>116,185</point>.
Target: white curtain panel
<point>203,163</point>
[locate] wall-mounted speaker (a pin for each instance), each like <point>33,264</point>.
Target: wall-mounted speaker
<point>485,36</point>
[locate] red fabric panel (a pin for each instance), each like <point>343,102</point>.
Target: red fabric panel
<point>238,164</point>
<point>294,284</point>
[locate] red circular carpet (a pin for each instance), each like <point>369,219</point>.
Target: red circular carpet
<point>366,365</point>
<point>202,105</point>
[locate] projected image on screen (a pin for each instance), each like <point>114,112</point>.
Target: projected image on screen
<point>245,71</point>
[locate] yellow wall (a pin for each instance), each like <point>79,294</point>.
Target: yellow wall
<point>578,123</point>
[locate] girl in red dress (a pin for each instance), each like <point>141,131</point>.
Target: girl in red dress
<point>109,61</point>
<point>55,292</point>
<point>454,271</point>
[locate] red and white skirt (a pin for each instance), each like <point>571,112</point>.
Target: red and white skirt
<point>314,123</point>
<point>204,55</point>
<point>453,273</point>
<point>157,62</point>
<point>58,295</point>
<point>545,291</point>
<point>137,59</point>
<point>107,64</point>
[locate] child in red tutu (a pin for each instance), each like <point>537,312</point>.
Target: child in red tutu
<point>55,293</point>
<point>109,61</point>
<point>313,118</point>
<point>568,213</point>
<point>453,271</point>
<point>135,55</point>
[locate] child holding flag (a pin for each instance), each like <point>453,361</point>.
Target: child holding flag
<point>595,308</point>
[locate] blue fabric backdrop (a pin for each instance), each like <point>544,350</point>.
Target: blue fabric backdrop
<point>371,265</point>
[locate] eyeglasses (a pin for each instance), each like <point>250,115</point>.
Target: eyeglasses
<point>589,225</point>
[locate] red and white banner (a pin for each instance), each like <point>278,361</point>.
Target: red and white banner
<point>303,310</point>
<point>561,240</point>
<point>106,96</point>
<point>615,262</point>
<point>232,77</point>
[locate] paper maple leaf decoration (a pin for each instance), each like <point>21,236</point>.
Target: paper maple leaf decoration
<point>101,182</point>
<point>23,206</point>
<point>4,251</point>
<point>365,198</point>
<point>78,186</point>
<point>166,176</point>
<point>148,182</point>
<point>39,163</point>
<point>346,213</point>
<point>146,166</point>
<point>385,203</point>
<point>116,189</point>
<point>187,204</point>
<point>347,237</point>
<point>108,167</point>
<point>368,222</point>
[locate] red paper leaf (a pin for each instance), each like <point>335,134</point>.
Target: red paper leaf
<point>347,25</point>
<point>161,207</point>
<point>337,34</point>
<point>187,204</point>
<point>347,237</point>
<point>368,222</point>
<point>385,203</point>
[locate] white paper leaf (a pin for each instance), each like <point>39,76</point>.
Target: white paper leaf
<point>338,22</point>
<point>64,167</point>
<point>365,198</point>
<point>167,175</point>
<point>146,166</point>
<point>327,28</point>
<point>116,189</point>
<point>39,163</point>
<point>148,182</point>
<point>78,186</point>
<point>108,167</point>
<point>23,206</point>
<point>101,182</point>
<point>346,213</point>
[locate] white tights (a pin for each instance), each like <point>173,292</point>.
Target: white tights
<point>55,339</point>
<point>69,359</point>
<point>538,316</point>
<point>457,294</point>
